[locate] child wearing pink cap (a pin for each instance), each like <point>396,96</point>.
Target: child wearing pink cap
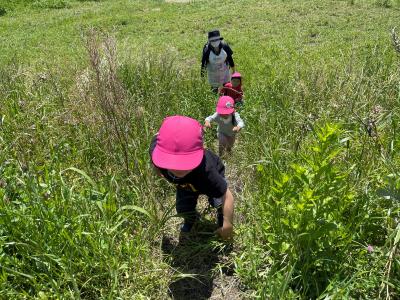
<point>234,89</point>
<point>229,123</point>
<point>178,154</point>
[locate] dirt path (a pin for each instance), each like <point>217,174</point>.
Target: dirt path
<point>206,270</point>
<point>204,262</point>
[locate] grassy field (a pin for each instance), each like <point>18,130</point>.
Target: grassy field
<point>84,85</point>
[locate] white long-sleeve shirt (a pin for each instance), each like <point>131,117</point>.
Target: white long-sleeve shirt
<point>226,128</point>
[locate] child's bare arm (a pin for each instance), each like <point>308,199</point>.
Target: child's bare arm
<point>226,230</point>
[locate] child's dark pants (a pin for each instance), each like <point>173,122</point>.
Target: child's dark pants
<point>186,202</point>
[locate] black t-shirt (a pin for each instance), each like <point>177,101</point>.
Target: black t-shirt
<point>208,178</point>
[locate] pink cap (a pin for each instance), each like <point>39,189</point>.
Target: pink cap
<point>225,105</point>
<point>179,144</point>
<point>236,75</point>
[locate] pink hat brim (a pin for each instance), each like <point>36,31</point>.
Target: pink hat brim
<point>182,162</point>
<point>225,110</point>
<point>236,75</point>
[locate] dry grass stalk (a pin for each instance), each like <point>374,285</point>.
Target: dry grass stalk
<point>109,98</point>
<point>396,40</point>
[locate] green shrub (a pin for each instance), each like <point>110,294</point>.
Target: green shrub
<point>313,227</point>
<point>306,210</point>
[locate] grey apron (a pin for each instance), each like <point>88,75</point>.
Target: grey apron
<point>218,69</point>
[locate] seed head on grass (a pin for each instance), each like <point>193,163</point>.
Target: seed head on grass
<point>395,40</point>
<point>108,97</point>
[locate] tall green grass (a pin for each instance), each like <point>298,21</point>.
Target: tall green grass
<point>79,218</point>
<point>315,173</point>
<point>323,156</point>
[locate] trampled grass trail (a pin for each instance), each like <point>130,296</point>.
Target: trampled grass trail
<point>84,85</point>
<point>205,264</point>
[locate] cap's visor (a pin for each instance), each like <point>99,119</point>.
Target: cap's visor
<point>174,161</point>
<point>225,110</point>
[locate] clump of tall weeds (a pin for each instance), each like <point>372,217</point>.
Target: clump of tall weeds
<point>52,211</point>
<point>101,101</point>
<point>313,226</point>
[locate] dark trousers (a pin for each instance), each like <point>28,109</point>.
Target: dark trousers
<point>186,202</point>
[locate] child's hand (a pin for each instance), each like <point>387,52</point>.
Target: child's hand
<point>207,124</point>
<point>236,129</point>
<point>226,231</point>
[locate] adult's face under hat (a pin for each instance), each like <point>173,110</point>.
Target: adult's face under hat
<point>214,35</point>
<point>179,144</point>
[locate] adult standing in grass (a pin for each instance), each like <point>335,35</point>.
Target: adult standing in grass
<point>216,60</point>
<point>177,152</point>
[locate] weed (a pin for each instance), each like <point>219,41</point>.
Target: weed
<point>51,4</point>
<point>315,173</point>
<point>396,40</point>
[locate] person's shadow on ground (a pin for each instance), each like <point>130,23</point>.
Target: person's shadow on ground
<point>196,254</point>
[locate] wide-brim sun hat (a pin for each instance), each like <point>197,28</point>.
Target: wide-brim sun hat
<point>214,35</point>
<point>179,144</point>
<point>225,105</point>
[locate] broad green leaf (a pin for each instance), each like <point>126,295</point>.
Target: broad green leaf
<point>86,176</point>
<point>136,208</point>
